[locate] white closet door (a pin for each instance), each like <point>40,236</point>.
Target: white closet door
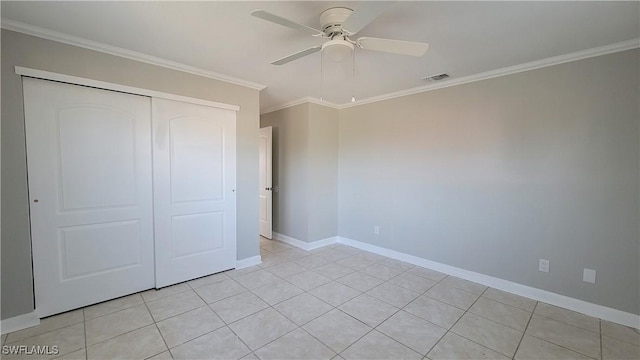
<point>194,174</point>
<point>89,163</point>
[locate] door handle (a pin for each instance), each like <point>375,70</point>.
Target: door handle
<point>268,189</point>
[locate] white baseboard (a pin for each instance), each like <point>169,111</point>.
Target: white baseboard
<point>598,311</point>
<point>291,241</point>
<point>19,322</point>
<point>305,245</point>
<point>251,261</point>
<point>323,242</point>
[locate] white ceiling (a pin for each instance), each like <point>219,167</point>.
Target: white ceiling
<point>465,38</point>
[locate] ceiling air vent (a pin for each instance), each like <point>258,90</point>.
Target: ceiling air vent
<point>438,77</point>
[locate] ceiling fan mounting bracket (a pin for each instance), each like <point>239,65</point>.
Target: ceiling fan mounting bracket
<point>331,21</point>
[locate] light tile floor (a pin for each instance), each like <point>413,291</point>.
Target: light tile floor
<point>336,302</point>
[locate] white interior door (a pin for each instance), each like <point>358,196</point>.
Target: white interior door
<point>266,186</point>
<point>194,174</point>
<point>89,163</point>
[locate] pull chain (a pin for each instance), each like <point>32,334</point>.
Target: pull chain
<point>353,77</point>
<point>321,76</point>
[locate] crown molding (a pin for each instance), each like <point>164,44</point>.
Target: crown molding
<point>556,60</point>
<point>117,51</point>
<point>317,101</point>
<point>288,104</point>
<point>133,55</point>
<point>303,100</point>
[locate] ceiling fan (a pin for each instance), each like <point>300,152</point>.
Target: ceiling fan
<point>339,24</point>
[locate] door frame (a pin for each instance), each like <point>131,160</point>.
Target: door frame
<point>75,80</point>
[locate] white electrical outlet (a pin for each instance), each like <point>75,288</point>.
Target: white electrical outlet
<point>543,265</point>
<point>589,275</point>
<point>376,229</point>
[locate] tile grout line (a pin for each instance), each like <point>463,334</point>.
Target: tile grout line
<point>399,309</point>
<point>498,322</point>
<point>305,330</point>
<point>124,333</point>
<point>307,292</point>
<point>276,310</point>
<point>600,328</point>
<point>84,325</point>
<point>157,328</point>
<point>372,327</point>
<point>551,342</point>
<point>199,336</point>
<point>191,288</point>
<point>234,333</point>
<point>334,308</point>
<point>220,317</point>
<point>513,306</point>
<point>279,337</point>
<point>319,340</point>
<point>115,311</point>
<point>424,294</point>
<point>456,322</point>
<point>624,341</point>
<point>174,315</point>
<point>290,320</point>
<point>569,324</point>
<point>382,322</point>
<point>165,296</point>
<point>562,346</point>
<point>525,330</point>
<point>208,332</point>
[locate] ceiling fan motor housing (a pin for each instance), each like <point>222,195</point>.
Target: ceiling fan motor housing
<point>331,21</point>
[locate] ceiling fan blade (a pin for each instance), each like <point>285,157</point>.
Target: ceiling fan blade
<point>284,22</point>
<point>297,55</point>
<point>366,13</point>
<point>393,46</point>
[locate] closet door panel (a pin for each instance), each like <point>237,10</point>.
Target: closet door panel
<point>194,190</point>
<point>89,164</point>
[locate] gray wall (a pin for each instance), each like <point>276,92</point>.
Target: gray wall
<point>493,175</point>
<point>23,50</point>
<point>323,172</point>
<point>305,169</point>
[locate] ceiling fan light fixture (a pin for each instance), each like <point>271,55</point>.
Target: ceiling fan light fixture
<point>338,50</point>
